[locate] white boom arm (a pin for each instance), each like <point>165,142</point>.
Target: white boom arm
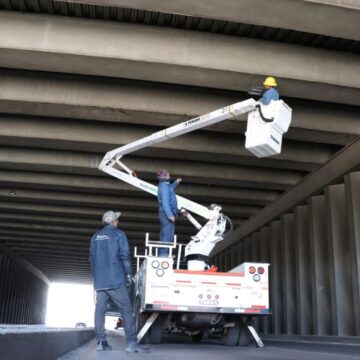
<point>112,158</point>
<point>264,137</point>
<point>180,129</point>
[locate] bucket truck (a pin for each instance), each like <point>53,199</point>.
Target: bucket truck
<point>198,300</point>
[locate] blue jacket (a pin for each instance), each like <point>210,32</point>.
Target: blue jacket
<point>110,258</point>
<point>268,95</point>
<point>167,198</point>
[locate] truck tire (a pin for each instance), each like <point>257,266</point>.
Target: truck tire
<point>231,336</point>
<point>140,320</point>
<point>156,330</point>
<point>244,339</point>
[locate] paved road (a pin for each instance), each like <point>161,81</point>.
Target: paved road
<point>181,348</point>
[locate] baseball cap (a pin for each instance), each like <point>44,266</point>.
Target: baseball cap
<point>110,216</point>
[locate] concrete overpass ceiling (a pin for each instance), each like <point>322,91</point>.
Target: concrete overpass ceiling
<point>70,90</point>
<point>210,15</point>
<point>197,58</point>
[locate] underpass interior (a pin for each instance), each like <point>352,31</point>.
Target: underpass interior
<point>77,80</point>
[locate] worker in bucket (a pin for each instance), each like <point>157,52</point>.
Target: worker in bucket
<point>168,209</point>
<point>269,93</point>
<point>111,271</point>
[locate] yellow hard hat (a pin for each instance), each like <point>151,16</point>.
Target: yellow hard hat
<point>270,81</point>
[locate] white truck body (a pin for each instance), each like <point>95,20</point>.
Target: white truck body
<point>164,289</point>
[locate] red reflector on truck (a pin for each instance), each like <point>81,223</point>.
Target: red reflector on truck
<point>252,269</point>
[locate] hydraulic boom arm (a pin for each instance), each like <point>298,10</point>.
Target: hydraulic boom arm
<point>111,161</point>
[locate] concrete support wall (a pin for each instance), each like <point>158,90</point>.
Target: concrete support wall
<point>23,291</point>
<point>314,254</point>
<point>37,343</point>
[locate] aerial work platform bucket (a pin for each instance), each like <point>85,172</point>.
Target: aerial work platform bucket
<point>263,134</point>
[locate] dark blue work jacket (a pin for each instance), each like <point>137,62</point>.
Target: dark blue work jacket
<point>167,198</point>
<point>110,258</point>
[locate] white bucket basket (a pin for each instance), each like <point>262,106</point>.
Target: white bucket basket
<point>265,138</point>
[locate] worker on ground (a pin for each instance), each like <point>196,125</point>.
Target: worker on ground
<point>111,270</point>
<point>168,209</point>
<point>269,93</point>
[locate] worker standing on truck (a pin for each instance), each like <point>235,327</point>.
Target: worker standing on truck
<point>111,270</point>
<point>269,93</point>
<point>168,209</point>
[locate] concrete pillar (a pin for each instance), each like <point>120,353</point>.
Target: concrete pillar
<point>254,247</point>
<point>241,253</point>
<point>264,246</point>
<point>233,256</point>
<point>215,260</point>
<point>340,258</point>
<point>227,257</point>
<point>303,273</point>
<point>288,274</point>
<point>320,267</point>
<point>247,249</point>
<point>276,289</point>
<point>352,189</point>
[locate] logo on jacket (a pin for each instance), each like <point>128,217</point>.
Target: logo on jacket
<point>101,237</point>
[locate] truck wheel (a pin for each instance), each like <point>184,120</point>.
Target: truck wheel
<point>156,330</point>
<point>244,339</point>
<point>196,338</point>
<point>140,320</point>
<point>231,336</point>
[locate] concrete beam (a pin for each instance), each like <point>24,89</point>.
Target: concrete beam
<point>33,242</point>
<point>77,197</point>
<point>67,45</point>
<point>58,200</point>
<point>197,172</point>
<point>20,181</point>
<point>78,135</point>
<point>58,210</point>
<point>48,249</point>
<point>141,205</point>
<point>26,217</point>
<point>148,104</point>
<point>12,240</point>
<point>349,4</point>
<point>287,14</point>
<point>85,230</point>
<point>136,236</point>
<point>86,213</point>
